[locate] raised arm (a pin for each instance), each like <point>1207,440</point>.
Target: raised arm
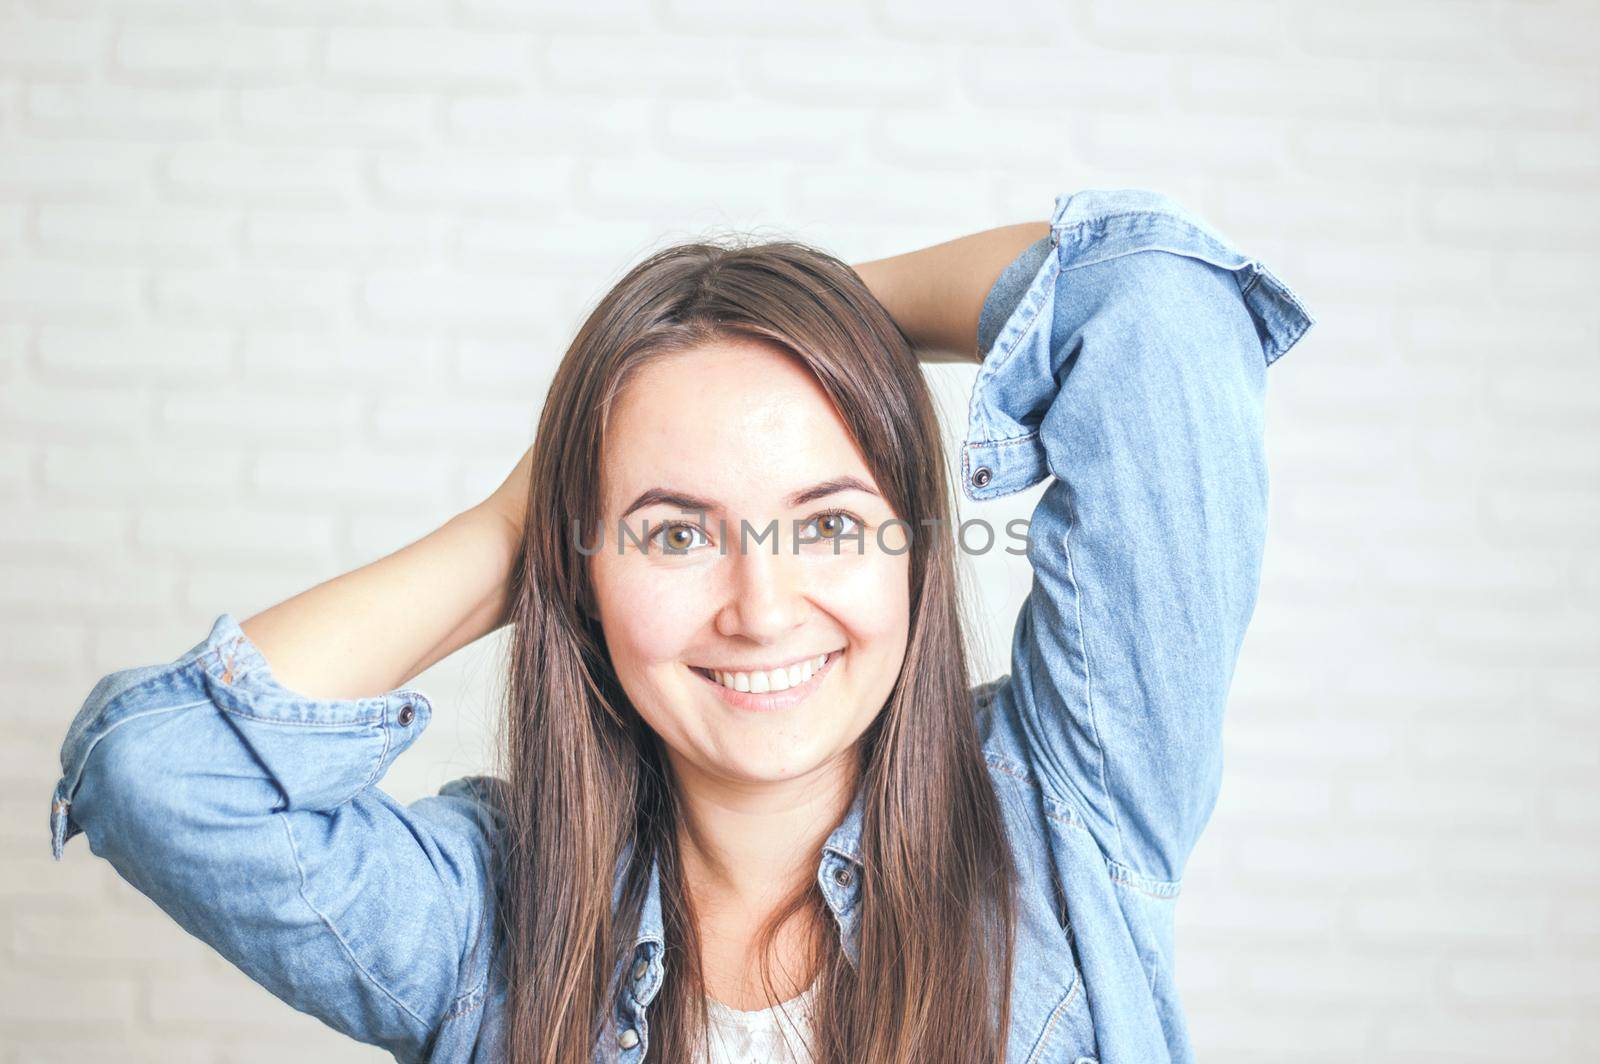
<point>1128,363</point>
<point>376,627</point>
<point>237,787</point>
<point>935,293</point>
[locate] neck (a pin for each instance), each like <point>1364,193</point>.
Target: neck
<point>746,845</point>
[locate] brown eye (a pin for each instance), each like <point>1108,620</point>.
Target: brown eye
<point>677,539</point>
<point>829,526</point>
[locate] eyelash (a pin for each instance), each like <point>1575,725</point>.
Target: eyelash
<point>663,526</point>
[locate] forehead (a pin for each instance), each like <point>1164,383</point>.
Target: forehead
<point>741,421</point>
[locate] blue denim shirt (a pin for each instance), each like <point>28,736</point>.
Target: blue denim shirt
<point>1124,357</point>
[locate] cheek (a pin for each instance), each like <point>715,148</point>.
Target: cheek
<point>648,617</point>
<point>870,596</point>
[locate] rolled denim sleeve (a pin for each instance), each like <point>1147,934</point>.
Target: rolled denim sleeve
<point>1125,359</point>
<point>252,816</point>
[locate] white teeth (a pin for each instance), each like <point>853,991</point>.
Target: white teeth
<point>775,680</point>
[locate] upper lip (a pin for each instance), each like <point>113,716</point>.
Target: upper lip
<point>767,668</point>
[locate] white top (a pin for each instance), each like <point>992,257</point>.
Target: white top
<point>739,1037</point>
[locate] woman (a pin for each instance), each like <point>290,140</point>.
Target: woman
<point>738,469</point>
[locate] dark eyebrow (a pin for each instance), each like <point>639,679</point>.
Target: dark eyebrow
<point>694,504</point>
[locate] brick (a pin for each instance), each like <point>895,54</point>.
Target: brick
<point>828,18</point>
<point>71,1046</point>
<point>338,360</point>
<point>436,298</point>
<point>345,12</point>
<point>1020,79</point>
<point>1244,26</point>
<point>1456,1034</point>
<point>747,130</point>
<point>1467,802</point>
<point>302,114</point>
<point>1551,340</point>
<point>1357,149</point>
<point>50,49</point>
<point>29,875</point>
<point>1235,145</point>
<point>110,944</point>
<point>1295,85</point>
<point>42,413</point>
<point>219,1002</point>
<point>281,237</point>
<point>1443,914</point>
<point>190,56</point>
<point>471,181</point>
<point>1549,276</point>
<point>65,531</point>
<point>56,590</point>
<point>675,188</point>
<point>361,480</point>
<point>428,58</point>
<point>253,296</point>
<point>201,418</point>
<point>146,472</point>
<point>124,112</point>
<point>810,72</point>
<point>846,195</point>
<point>1478,216</point>
<point>1260,795</point>
<point>1261,212</point>
<point>462,421</point>
<point>1552,33</point>
<point>1310,1034</point>
<point>79,354</point>
<point>1488,96</point>
<point>233,533</point>
<point>519,364</point>
<point>612,64</point>
<point>134,236</point>
<point>1557,157</point>
<point>1264,915</point>
<point>290,176</point>
<point>38,291</point>
<point>923,140</point>
<point>608,128</point>
<point>1543,514</point>
<point>613,16</point>
<point>34,1003</point>
<point>1445,31</point>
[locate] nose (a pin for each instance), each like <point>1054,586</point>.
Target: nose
<point>766,598</point>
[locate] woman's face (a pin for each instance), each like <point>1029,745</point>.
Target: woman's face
<point>741,430</point>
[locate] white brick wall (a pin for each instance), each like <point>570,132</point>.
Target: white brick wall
<point>281,286</point>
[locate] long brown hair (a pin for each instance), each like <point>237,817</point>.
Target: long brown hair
<point>586,782</point>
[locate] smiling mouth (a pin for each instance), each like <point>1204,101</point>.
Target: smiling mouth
<point>770,689</point>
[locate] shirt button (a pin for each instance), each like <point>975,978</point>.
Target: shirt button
<point>408,713</point>
<point>843,876</point>
<point>982,475</point>
<point>628,1039</point>
<point>640,966</point>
